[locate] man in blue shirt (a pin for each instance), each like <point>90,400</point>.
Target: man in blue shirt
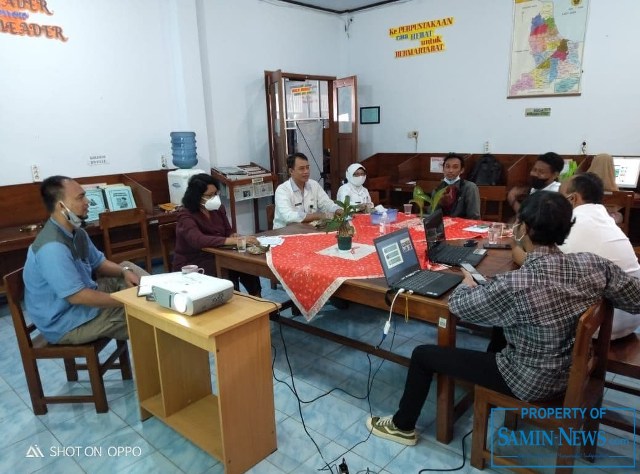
<point>61,297</point>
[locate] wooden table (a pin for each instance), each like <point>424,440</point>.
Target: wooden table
<point>171,358</point>
<point>371,292</point>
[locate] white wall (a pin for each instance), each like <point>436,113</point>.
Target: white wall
<point>125,78</point>
<point>457,99</point>
<point>132,72</point>
<point>242,39</point>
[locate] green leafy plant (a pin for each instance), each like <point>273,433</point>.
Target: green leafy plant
<point>420,198</point>
<point>573,167</point>
<point>341,220</point>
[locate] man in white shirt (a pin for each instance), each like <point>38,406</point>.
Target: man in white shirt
<point>542,177</point>
<point>300,199</point>
<point>595,231</point>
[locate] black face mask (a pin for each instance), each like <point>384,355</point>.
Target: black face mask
<point>537,183</point>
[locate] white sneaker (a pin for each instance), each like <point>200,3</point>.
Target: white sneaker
<point>385,428</point>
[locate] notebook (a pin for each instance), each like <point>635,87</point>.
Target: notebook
<point>401,268</point>
<point>439,251</point>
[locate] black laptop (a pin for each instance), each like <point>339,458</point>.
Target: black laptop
<point>440,252</point>
<point>402,270</point>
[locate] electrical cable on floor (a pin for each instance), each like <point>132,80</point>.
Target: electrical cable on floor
<point>453,469</point>
<point>292,388</point>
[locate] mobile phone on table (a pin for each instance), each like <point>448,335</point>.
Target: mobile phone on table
<point>475,274</point>
<point>487,245</point>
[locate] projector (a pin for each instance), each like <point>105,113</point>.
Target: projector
<point>192,293</point>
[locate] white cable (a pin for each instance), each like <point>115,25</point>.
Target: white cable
<point>387,325</point>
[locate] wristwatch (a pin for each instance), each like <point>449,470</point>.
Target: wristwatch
<point>126,269</point>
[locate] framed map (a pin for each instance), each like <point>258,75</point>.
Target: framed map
<point>546,47</point>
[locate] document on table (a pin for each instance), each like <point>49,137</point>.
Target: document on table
<point>479,228</point>
<point>273,241</point>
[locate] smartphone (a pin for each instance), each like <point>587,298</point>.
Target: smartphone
<point>496,246</point>
<point>477,276</point>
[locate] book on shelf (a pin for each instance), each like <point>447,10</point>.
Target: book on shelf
<point>119,197</point>
<point>254,170</point>
<point>95,196</point>
<point>230,170</point>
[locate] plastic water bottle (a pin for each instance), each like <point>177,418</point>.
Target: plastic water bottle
<point>384,223</point>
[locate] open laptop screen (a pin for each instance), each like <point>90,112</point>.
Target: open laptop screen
<point>627,169</point>
<point>434,231</point>
<point>397,255</point>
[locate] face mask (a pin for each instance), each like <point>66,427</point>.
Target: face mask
<point>73,219</point>
<point>213,204</point>
<point>357,180</point>
<point>451,181</point>
<point>537,183</point>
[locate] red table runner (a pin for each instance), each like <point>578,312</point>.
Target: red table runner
<point>310,278</point>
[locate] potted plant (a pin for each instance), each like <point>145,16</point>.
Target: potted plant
<point>341,221</point>
<point>420,197</point>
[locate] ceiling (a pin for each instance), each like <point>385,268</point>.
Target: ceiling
<point>340,6</point>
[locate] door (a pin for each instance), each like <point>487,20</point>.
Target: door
<point>344,149</point>
<point>274,84</point>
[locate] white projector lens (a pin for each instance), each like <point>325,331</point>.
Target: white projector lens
<point>180,302</point>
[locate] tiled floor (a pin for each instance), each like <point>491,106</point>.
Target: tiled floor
<point>73,438</point>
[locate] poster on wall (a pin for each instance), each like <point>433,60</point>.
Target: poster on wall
<point>547,47</point>
<point>423,36</point>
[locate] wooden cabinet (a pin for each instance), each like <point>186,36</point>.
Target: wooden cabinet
<point>234,423</point>
<point>246,188</point>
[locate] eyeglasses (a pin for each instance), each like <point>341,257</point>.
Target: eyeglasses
<point>360,173</point>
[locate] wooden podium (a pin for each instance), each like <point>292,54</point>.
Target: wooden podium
<point>171,358</point>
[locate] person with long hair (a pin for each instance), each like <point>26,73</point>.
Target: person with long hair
<point>203,223</point>
<point>602,166</point>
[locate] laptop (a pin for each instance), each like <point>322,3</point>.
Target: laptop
<point>401,267</point>
<point>440,252</point>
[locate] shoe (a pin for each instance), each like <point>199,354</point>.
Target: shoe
<point>385,428</point>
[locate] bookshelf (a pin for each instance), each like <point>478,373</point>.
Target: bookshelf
<point>245,183</point>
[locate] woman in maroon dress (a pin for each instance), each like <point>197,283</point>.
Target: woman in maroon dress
<point>203,223</point>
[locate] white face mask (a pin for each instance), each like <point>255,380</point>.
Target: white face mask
<point>73,219</point>
<point>357,180</point>
<point>213,204</point>
<point>451,181</point>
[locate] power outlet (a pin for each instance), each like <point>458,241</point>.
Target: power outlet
<point>35,174</point>
<point>412,134</point>
<point>487,147</point>
<point>163,162</point>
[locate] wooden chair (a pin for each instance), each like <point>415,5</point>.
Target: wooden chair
<point>624,359</point>
<point>496,196</point>
<point>623,200</point>
<point>584,390</point>
<point>381,185</point>
<point>271,212</point>
<point>34,348</point>
<point>126,236</point>
<point>167,243</point>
